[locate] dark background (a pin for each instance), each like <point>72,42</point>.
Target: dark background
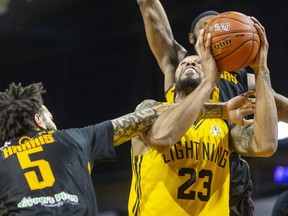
<point>93,58</point>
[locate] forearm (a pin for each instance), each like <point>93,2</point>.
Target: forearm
<point>265,118</point>
<point>214,110</point>
<point>133,124</point>
<point>259,139</point>
<point>166,50</point>
<point>166,131</point>
<point>157,28</point>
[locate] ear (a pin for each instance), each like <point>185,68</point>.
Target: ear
<point>191,38</point>
<point>39,122</point>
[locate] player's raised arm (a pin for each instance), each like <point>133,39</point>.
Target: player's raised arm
<point>166,50</point>
<point>263,141</point>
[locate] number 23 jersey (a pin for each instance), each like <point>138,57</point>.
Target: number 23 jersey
<point>191,179</point>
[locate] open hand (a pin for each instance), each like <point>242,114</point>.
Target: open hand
<point>241,106</point>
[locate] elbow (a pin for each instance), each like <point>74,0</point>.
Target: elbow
<point>162,144</point>
<point>143,2</point>
<point>268,150</point>
<point>266,143</point>
<point>270,145</point>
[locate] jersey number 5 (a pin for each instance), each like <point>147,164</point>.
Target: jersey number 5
<point>40,166</point>
<point>183,192</point>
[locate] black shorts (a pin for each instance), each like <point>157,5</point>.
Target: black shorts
<point>280,207</point>
<point>241,187</point>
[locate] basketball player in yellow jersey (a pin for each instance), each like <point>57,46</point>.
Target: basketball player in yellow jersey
<point>169,52</point>
<point>190,175</point>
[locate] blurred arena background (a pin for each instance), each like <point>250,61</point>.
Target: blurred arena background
<point>94,60</point>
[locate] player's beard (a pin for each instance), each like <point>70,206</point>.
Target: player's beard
<point>187,85</point>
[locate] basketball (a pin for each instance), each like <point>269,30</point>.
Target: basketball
<point>234,40</point>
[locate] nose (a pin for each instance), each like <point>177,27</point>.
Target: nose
<point>191,63</point>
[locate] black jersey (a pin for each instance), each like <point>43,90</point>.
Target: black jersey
<point>231,84</point>
<point>48,172</point>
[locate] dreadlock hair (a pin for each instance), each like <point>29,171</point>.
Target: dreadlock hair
<point>18,106</point>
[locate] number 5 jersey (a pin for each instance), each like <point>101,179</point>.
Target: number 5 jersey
<point>48,172</point>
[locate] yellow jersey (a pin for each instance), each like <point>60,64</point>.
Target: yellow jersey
<point>191,179</point>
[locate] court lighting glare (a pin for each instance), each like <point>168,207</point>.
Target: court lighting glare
<point>282,130</point>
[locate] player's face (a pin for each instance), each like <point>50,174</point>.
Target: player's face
<point>201,24</point>
<point>189,73</point>
<point>48,119</point>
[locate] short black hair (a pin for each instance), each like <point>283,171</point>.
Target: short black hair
<point>206,13</point>
<point>18,106</point>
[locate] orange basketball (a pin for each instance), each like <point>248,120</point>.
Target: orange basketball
<point>234,40</point>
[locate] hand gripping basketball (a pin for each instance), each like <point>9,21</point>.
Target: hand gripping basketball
<point>234,40</point>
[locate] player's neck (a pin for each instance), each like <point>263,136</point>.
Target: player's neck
<point>180,96</point>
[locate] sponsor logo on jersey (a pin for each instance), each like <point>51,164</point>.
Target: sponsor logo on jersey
<point>57,200</point>
<point>26,143</point>
<point>215,130</point>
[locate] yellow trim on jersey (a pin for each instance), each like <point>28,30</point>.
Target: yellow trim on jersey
<point>170,95</point>
<point>215,95</point>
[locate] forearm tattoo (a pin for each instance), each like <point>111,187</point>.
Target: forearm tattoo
<point>212,111</point>
<point>133,124</point>
<point>266,77</point>
<point>242,138</point>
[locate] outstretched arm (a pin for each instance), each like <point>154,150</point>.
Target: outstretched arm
<point>166,50</point>
<point>263,141</point>
<point>133,124</point>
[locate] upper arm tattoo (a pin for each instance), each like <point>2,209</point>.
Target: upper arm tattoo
<point>242,138</point>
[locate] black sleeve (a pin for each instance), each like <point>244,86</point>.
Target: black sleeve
<point>96,140</point>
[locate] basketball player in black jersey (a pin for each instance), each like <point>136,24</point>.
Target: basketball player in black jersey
<point>241,186</point>
<point>168,53</point>
<point>45,171</point>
